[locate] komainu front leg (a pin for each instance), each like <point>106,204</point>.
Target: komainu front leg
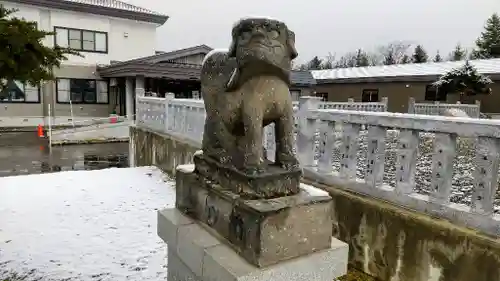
<point>284,156</point>
<point>252,148</point>
<point>217,141</point>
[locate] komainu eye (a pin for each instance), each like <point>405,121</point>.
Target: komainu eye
<point>273,34</point>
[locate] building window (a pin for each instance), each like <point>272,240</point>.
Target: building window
<point>295,94</point>
<point>369,95</point>
<point>16,91</point>
<point>324,96</point>
<point>433,94</point>
<point>82,91</point>
<point>81,40</point>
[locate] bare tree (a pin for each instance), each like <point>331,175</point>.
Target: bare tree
<point>347,60</point>
<point>329,61</point>
<point>394,52</point>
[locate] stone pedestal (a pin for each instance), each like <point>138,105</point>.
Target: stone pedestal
<point>262,231</point>
<point>194,253</point>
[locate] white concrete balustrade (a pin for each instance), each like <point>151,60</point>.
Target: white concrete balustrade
<point>188,118</point>
<point>182,117</point>
<point>326,135</point>
<point>352,105</point>
<point>438,108</point>
<point>151,113</point>
<point>484,134</point>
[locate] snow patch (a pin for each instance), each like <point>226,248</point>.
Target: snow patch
<point>253,17</point>
<point>186,168</point>
<point>313,191</point>
<point>81,224</point>
<point>455,112</point>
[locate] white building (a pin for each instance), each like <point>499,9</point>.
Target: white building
<point>102,31</point>
<point>117,41</point>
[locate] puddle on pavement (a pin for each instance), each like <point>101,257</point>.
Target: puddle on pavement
<point>24,153</point>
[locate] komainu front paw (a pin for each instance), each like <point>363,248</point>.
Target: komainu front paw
<point>287,162</point>
<point>254,170</point>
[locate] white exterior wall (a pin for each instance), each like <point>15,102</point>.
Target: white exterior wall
<point>120,47</point>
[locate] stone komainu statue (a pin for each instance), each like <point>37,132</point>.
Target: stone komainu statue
<point>246,89</point>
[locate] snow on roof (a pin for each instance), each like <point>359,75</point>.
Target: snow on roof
<point>115,4</point>
<point>489,66</point>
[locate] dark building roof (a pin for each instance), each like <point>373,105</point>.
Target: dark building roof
<point>161,65</point>
<point>181,72</point>
<point>302,78</point>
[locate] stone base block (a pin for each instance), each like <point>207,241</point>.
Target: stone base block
<point>196,254</point>
<point>274,182</point>
<point>263,231</point>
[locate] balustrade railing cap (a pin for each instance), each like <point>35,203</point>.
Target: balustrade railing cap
<point>310,98</point>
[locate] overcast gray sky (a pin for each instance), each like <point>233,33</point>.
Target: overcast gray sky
<point>324,26</point>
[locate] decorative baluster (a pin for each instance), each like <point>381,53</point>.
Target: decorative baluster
<point>264,141</point>
<point>326,143</point>
<point>485,175</point>
<point>375,156</point>
<point>184,121</point>
<point>171,117</point>
<point>189,120</point>
<point>180,118</point>
<point>349,149</point>
<point>442,167</point>
<point>171,111</point>
<point>406,161</point>
<point>168,116</point>
<point>306,130</point>
<point>270,142</point>
<point>163,112</point>
<point>177,118</point>
<point>309,147</point>
<point>202,122</point>
<point>156,117</point>
<point>153,115</point>
<point>148,116</point>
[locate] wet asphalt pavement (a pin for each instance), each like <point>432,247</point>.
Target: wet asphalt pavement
<point>24,153</point>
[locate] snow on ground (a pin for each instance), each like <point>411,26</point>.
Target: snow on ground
<point>84,225</point>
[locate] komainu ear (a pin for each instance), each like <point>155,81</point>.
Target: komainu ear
<point>232,49</point>
<point>291,45</point>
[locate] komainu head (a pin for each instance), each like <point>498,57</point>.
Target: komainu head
<point>263,45</point>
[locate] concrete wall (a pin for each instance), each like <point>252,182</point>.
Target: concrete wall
<point>79,110</point>
<point>385,241</point>
<point>163,151</point>
<point>31,114</point>
<point>399,94</point>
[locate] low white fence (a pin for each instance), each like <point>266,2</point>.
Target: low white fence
<point>437,108</point>
<point>362,166</point>
<point>352,105</point>
<point>379,154</point>
<point>186,117</point>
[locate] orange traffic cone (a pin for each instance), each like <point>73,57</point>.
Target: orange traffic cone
<point>40,131</point>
